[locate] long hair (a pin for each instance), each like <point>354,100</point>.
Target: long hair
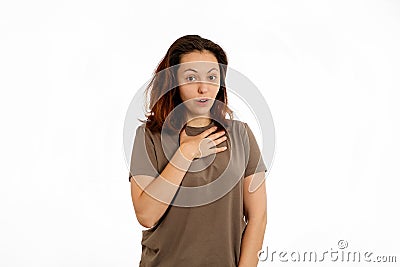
<point>162,93</point>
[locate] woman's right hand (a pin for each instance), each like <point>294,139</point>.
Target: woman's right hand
<point>201,145</point>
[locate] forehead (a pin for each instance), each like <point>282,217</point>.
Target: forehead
<point>200,61</point>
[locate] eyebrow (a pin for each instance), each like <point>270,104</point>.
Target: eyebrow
<point>196,70</point>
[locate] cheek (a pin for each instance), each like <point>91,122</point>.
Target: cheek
<point>181,94</point>
<point>187,91</point>
<point>215,90</point>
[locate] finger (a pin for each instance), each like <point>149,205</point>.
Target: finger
<point>214,150</point>
<point>208,132</point>
<point>218,149</point>
<point>219,140</point>
<point>216,135</point>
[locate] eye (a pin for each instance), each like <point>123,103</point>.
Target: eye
<point>191,78</point>
<point>213,77</point>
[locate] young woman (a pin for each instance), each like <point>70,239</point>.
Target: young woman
<point>192,167</point>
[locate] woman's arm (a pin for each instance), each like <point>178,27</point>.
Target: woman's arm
<point>149,210</point>
<point>255,208</point>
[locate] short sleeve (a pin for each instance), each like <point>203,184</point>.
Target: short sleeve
<point>255,161</point>
<point>143,159</point>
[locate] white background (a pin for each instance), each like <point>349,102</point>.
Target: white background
<point>329,72</point>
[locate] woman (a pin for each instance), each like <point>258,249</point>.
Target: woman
<point>192,166</point>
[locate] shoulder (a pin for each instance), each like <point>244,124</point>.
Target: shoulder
<point>237,123</point>
<point>143,132</point>
<point>142,127</point>
<point>237,127</point>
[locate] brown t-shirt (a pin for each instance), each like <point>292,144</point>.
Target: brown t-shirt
<point>208,230</point>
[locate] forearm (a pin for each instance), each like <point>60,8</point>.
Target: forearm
<point>158,194</point>
<point>252,242</point>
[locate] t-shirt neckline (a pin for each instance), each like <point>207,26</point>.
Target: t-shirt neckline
<point>201,127</point>
<point>190,130</point>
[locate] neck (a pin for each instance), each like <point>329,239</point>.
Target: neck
<point>199,122</point>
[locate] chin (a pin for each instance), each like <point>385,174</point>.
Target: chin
<point>202,111</point>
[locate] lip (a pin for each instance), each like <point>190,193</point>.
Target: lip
<point>198,101</point>
<point>202,98</point>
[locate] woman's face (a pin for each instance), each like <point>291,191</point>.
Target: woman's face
<point>199,81</point>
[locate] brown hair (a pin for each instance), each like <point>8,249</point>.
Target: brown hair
<point>162,99</point>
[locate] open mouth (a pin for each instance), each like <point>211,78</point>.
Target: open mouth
<point>203,100</point>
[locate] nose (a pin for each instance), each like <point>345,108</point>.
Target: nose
<point>203,87</point>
